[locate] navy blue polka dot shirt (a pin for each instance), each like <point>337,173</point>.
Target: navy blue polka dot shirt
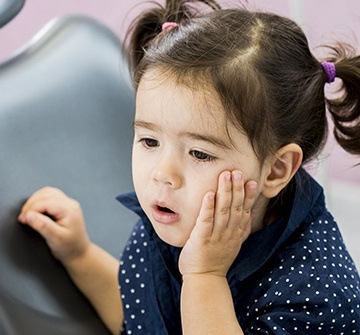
<point>293,277</point>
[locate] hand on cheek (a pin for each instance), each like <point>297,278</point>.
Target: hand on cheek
<point>223,224</point>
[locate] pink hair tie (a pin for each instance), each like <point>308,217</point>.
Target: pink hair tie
<point>330,71</point>
<point>168,26</point>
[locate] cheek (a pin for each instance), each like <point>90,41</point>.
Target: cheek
<point>198,186</point>
<point>140,171</point>
<point>135,170</point>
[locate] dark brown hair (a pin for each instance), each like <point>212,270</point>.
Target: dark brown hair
<point>260,66</point>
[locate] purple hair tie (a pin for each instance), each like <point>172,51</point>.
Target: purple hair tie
<point>169,26</point>
<point>330,71</point>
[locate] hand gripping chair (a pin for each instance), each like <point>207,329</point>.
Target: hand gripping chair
<point>66,108</point>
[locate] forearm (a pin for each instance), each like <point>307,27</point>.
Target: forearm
<point>96,275</point>
<point>207,306</point>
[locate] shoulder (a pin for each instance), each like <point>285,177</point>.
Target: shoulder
<point>317,249</point>
<point>319,242</point>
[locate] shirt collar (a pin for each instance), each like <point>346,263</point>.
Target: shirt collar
<point>261,245</point>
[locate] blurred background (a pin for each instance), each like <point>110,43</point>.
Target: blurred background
<point>324,21</point>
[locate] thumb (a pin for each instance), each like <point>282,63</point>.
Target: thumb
<point>41,223</point>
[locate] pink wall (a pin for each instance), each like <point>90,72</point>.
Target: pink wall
<point>322,20</point>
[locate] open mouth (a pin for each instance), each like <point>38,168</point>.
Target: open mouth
<point>163,214</point>
<point>165,209</point>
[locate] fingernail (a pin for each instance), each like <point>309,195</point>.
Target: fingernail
<point>228,176</point>
<point>211,197</point>
<point>238,176</point>
<point>30,217</point>
<point>253,186</point>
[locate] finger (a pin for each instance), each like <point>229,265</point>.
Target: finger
<point>40,196</point>
<point>51,207</point>
<point>205,221</point>
<point>238,194</point>
<point>49,201</point>
<point>223,202</point>
<point>249,200</point>
<point>46,227</point>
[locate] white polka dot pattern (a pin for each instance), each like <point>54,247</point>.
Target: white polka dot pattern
<point>312,288</point>
<point>133,282</point>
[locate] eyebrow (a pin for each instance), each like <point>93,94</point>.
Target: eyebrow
<point>195,136</point>
<point>146,125</point>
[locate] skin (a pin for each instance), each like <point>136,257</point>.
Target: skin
<point>201,185</point>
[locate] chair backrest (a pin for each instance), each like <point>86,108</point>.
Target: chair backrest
<point>9,9</point>
<point>66,111</point>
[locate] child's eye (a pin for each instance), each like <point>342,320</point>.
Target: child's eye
<point>201,156</point>
<point>149,142</point>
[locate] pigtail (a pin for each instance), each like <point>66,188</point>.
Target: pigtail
<point>147,27</point>
<point>141,32</point>
<point>345,107</point>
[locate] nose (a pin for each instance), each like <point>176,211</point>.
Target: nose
<point>168,172</point>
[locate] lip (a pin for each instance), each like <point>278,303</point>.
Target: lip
<point>162,216</point>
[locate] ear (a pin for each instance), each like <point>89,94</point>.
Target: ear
<point>282,167</point>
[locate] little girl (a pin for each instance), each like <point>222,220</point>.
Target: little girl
<point>234,236</point>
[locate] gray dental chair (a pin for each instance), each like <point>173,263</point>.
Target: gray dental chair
<point>66,108</point>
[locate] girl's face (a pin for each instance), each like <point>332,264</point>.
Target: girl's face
<point>182,143</point>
